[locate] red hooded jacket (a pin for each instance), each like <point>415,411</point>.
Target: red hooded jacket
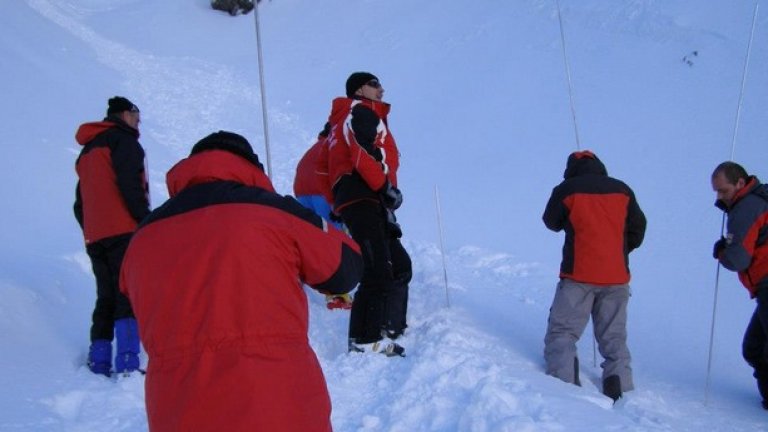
<point>112,194</point>
<point>602,221</point>
<point>215,279</point>
<point>747,246</point>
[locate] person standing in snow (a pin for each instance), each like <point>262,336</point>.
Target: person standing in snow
<point>111,198</point>
<point>309,188</point>
<point>603,223</point>
<point>363,160</point>
<point>215,276</point>
<point>744,249</point>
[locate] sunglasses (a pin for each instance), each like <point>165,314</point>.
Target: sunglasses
<point>373,83</point>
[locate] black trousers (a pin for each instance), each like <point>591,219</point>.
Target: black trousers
<point>381,300</point>
<point>111,305</point>
<point>755,345</point>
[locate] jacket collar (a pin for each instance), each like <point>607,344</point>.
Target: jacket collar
<point>751,187</point>
<point>344,104</point>
<point>215,165</point>
<point>88,131</point>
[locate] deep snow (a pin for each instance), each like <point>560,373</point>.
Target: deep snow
<point>480,109</point>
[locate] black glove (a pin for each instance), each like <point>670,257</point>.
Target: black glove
<point>719,246</point>
<point>392,226</point>
<point>391,196</point>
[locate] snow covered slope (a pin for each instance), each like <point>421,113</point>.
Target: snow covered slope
<point>479,108</point>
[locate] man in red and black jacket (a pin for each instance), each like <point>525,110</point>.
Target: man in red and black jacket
<point>111,199</point>
<point>744,249</point>
<point>603,223</point>
<point>362,169</point>
<point>215,277</point>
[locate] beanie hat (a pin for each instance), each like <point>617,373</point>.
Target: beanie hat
<point>357,80</point>
<point>119,104</point>
<point>228,141</point>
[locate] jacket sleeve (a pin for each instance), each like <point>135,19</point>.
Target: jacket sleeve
<point>330,261</point>
<point>636,223</point>
<point>737,255</point>
<point>361,137</point>
<point>555,214</point>
<point>78,207</point>
<point>128,163</point>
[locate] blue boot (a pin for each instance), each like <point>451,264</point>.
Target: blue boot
<point>100,357</point>
<point>127,335</point>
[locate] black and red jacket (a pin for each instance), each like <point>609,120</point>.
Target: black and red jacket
<point>602,221</point>
<point>215,277</point>
<point>746,248</point>
<point>362,153</point>
<point>112,196</point>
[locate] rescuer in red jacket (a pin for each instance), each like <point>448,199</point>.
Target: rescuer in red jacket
<point>363,160</point>
<point>111,199</point>
<point>310,188</point>
<point>603,223</point>
<point>215,277</point>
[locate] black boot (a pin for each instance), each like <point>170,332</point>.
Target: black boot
<point>762,386</point>
<point>761,375</point>
<point>612,387</point>
<point>576,379</point>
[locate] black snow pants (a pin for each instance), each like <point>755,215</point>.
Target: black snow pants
<point>755,345</point>
<point>111,305</point>
<point>381,300</point>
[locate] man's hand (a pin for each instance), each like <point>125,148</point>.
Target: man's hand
<point>391,196</point>
<point>718,247</point>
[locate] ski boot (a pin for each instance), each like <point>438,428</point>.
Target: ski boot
<point>612,387</point>
<point>127,335</point>
<point>339,301</point>
<point>100,357</point>
<point>386,347</point>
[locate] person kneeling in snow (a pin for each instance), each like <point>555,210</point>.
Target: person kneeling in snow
<point>215,276</point>
<point>603,223</point>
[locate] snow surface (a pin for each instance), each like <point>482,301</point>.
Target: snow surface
<point>480,110</point>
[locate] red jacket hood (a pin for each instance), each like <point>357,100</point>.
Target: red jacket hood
<point>215,165</point>
<point>88,131</point>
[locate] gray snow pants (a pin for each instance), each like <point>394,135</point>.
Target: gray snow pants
<point>573,304</point>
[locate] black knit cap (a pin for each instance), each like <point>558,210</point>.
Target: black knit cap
<point>357,80</point>
<point>119,104</point>
<point>228,141</point>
